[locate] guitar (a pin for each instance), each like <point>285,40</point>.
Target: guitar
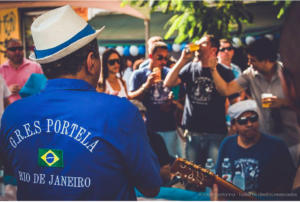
<point>201,177</point>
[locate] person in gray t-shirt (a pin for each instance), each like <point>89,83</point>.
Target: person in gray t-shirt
<point>263,77</point>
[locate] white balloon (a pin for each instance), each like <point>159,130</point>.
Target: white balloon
<point>236,42</point>
<point>101,49</point>
<point>134,50</point>
<point>269,36</point>
<point>176,47</point>
<point>249,39</point>
<point>120,50</point>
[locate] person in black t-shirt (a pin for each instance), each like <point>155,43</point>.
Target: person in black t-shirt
<point>204,110</point>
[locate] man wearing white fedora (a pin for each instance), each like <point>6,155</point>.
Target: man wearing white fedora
<point>70,142</point>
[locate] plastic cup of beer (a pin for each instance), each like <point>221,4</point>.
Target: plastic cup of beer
<point>193,47</point>
<point>157,71</point>
<point>266,100</point>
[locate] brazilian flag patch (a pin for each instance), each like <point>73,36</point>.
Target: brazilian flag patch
<point>51,158</point>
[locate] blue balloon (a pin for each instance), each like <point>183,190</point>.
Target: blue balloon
<point>183,45</point>
<point>126,51</point>
<point>277,35</point>
<point>169,47</point>
<point>258,37</point>
<point>142,50</point>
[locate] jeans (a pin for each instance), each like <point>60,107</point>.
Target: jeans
<point>201,146</point>
<point>171,140</point>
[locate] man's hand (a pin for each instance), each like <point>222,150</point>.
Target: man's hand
<point>150,80</point>
<point>14,88</point>
<point>171,96</point>
<point>172,78</point>
<point>165,173</point>
<point>278,102</point>
<point>10,193</point>
<point>186,55</point>
<point>212,61</point>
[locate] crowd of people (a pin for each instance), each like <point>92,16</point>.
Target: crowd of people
<point>105,125</point>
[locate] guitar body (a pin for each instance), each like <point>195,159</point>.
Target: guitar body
<point>201,177</point>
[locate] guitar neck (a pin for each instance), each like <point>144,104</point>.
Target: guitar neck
<point>230,190</point>
<point>198,176</point>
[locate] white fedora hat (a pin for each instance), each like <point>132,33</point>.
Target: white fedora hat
<point>58,33</point>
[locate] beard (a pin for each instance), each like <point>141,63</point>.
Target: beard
<point>18,59</point>
<point>250,134</point>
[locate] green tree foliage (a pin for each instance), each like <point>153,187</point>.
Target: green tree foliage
<point>192,19</point>
<point>284,6</point>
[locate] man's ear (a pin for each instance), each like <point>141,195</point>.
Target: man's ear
<point>91,62</point>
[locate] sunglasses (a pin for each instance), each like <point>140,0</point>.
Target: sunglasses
<point>228,48</point>
<point>112,62</point>
<point>19,48</point>
<point>244,120</point>
<point>160,57</point>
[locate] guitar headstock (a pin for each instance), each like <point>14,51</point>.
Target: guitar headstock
<point>192,173</point>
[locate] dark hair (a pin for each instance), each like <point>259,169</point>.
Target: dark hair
<point>225,40</point>
<point>105,57</point>
<point>70,64</point>
<point>104,69</point>
<point>262,49</point>
<point>8,41</point>
<point>124,60</point>
<point>214,41</point>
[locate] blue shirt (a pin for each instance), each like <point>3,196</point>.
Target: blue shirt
<point>71,143</point>
<point>160,112</point>
<point>266,165</point>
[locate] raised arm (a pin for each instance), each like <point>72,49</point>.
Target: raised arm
<point>172,79</point>
<point>143,88</point>
<point>223,87</point>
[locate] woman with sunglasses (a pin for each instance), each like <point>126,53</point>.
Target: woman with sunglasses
<point>110,81</point>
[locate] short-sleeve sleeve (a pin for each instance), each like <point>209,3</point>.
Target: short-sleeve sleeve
<point>244,79</point>
<point>184,73</point>
<point>134,81</point>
